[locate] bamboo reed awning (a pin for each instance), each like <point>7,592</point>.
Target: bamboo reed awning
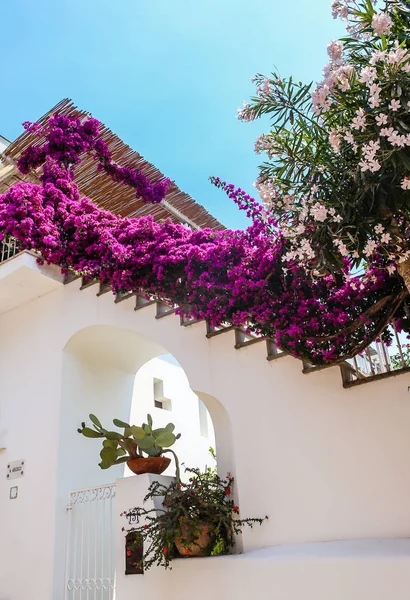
<point>107,194</point>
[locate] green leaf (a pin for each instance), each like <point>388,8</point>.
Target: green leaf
<point>138,432</point>
<point>119,423</point>
<point>154,451</point>
<point>113,435</point>
<point>146,443</point>
<point>170,427</point>
<point>96,422</point>
<point>90,433</point>
<point>156,432</point>
<point>110,444</point>
<point>108,455</point>
<point>165,440</point>
<point>104,465</point>
<point>149,419</point>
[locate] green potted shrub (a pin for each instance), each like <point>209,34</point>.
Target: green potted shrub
<point>133,443</point>
<point>198,518</point>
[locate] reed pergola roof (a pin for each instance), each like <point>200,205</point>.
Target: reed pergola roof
<point>99,187</point>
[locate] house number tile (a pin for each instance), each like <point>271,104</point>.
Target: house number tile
<point>15,469</point>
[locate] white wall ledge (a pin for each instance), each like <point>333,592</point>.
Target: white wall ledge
<point>23,279</point>
<point>381,549</point>
<point>341,570</point>
<point>343,549</point>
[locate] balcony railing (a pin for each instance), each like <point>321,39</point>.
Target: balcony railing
<point>8,248</point>
<point>378,360</point>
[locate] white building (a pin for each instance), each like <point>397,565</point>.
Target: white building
<point>330,466</point>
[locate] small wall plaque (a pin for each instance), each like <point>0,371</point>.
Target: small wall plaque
<point>15,469</point>
<point>133,519</point>
<point>14,492</point>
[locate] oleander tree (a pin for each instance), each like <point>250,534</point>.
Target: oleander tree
<point>337,171</point>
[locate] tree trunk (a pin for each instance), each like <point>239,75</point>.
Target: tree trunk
<point>404,270</point>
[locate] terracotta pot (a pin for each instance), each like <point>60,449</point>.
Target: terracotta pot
<point>152,464</point>
<point>199,546</point>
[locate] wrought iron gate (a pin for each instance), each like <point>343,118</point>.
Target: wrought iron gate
<point>90,560</point>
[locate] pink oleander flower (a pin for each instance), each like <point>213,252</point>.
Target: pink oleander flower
<point>368,75</point>
<point>335,50</point>
<point>342,248</point>
<point>374,101</point>
<point>339,9</point>
<point>359,121</point>
<point>349,137</point>
<point>405,183</point>
<point>246,113</point>
<point>394,105</point>
<point>398,55</point>
<point>405,67</point>
<point>386,131</point>
<point>369,248</point>
<point>375,89</point>
<point>382,23</point>
<point>396,139</point>
<point>319,212</point>
<point>381,119</point>
<point>334,140</point>
<point>374,98</point>
<point>377,56</point>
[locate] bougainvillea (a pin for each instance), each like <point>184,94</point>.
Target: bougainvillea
<point>224,276</point>
<point>66,138</point>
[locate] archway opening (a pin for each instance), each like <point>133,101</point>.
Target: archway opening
<point>116,373</point>
<point>162,389</point>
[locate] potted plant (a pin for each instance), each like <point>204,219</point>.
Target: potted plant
<point>132,443</point>
<point>198,518</point>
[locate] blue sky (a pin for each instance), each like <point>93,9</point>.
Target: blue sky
<point>166,75</point>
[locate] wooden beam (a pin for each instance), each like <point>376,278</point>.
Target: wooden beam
<point>121,296</point>
<point>88,283</point>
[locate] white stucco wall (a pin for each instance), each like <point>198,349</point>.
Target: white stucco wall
<point>375,569</point>
<point>323,462</point>
<point>183,409</point>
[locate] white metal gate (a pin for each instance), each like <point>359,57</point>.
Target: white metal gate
<point>90,560</point>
